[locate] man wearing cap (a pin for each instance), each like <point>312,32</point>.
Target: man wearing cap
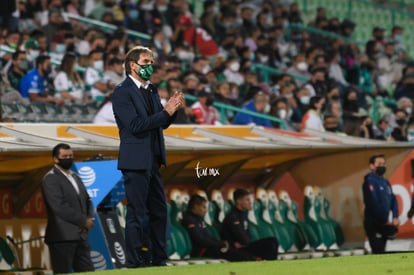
<point>380,202</point>
<point>32,51</point>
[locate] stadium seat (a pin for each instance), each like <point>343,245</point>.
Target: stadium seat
<point>222,207</point>
<point>278,212</point>
<point>304,232</point>
<point>179,235</point>
<point>279,230</point>
<point>259,229</point>
<point>325,205</point>
<point>311,211</point>
<point>8,259</point>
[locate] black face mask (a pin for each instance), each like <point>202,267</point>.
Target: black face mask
<point>335,97</point>
<point>400,121</point>
<point>332,129</point>
<point>47,71</point>
<point>380,170</point>
<point>209,101</point>
<point>66,164</point>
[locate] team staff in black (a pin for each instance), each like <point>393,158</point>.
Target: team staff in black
<point>235,229</point>
<point>140,118</point>
<point>379,201</point>
<point>69,215</point>
<point>203,243</point>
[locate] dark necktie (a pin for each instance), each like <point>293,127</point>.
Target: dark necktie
<point>148,99</point>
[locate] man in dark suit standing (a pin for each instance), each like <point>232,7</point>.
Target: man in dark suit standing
<point>140,118</point>
<point>70,215</point>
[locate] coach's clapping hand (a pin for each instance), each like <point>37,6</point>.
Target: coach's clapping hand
<point>174,103</point>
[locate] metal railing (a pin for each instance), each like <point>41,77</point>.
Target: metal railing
<point>105,26</point>
<point>224,107</point>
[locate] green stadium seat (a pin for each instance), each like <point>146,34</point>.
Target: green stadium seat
<point>179,236</point>
<point>312,210</point>
<point>267,216</point>
<point>278,212</point>
<point>303,230</point>
<point>339,235</point>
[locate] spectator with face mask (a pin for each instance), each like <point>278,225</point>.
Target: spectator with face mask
<point>280,109</point>
<point>18,68</point>
<point>96,84</point>
<point>351,113</point>
<point>232,72</point>
<point>299,67</point>
<point>317,85</point>
<point>399,133</point>
<point>367,128</point>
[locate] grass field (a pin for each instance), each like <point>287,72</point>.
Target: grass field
<point>400,263</point>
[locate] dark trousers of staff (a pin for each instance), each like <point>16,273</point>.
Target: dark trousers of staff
<point>146,207</point>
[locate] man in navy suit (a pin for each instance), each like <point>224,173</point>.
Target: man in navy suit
<point>141,118</point>
<point>69,215</point>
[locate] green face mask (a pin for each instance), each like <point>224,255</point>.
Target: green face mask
<point>145,71</point>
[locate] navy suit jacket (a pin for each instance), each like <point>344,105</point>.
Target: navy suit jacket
<point>132,115</point>
<point>66,209</point>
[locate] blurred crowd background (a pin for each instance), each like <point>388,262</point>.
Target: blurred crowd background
<point>260,56</point>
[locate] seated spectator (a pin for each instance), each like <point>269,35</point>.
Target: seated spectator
<point>387,66</point>
<point>318,84</point>
<point>280,109</point>
<point>203,243</point>
<point>115,72</point>
<point>18,68</point>
<point>300,68</point>
<point>96,83</point>
<point>32,50</point>
<point>410,130</point>
<point>334,108</point>
<point>351,114</point>
<point>34,85</point>
<point>7,93</point>
<point>105,114</point>
<point>68,83</point>
<point>235,230</point>
<point>367,128</point>
<point>382,131</point>
<point>194,36</point>
<point>399,133</point>
<point>312,118</point>
<point>331,123</point>
<point>258,104</point>
<point>203,110</point>
<point>231,72</point>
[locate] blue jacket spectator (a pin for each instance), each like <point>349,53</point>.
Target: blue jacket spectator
<point>34,85</point>
<point>259,104</point>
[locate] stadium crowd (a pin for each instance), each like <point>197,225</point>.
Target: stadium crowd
<point>326,83</point>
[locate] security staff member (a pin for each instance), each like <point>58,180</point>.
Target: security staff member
<point>203,243</point>
<point>235,229</point>
<point>379,200</point>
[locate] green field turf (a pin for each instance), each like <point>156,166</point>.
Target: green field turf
<point>401,263</point>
